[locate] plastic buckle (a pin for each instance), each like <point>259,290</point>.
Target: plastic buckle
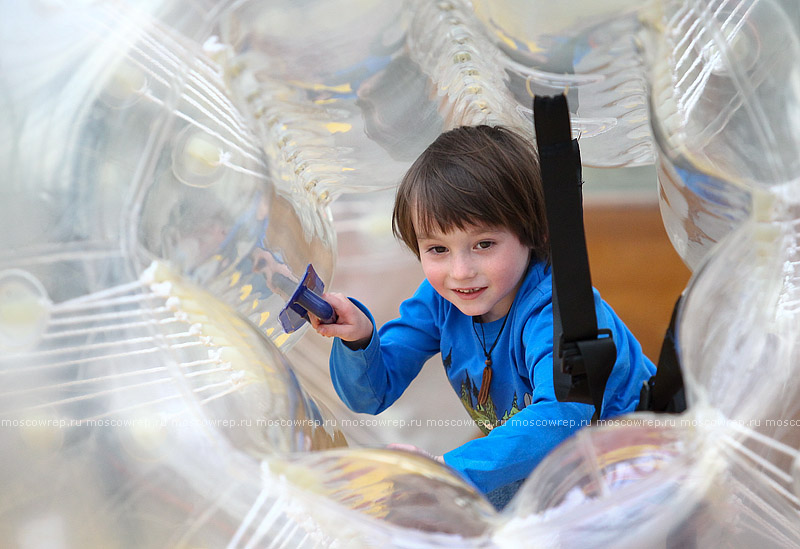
<point>571,359</point>
<point>572,362</point>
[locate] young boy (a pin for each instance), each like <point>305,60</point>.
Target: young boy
<point>472,210</point>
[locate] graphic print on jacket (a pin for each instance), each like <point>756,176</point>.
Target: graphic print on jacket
<point>485,416</point>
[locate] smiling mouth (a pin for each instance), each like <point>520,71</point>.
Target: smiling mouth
<point>468,291</point>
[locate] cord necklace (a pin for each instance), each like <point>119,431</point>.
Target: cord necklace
<point>486,380</point>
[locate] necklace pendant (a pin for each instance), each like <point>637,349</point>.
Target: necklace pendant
<point>488,362</point>
<point>486,381</point>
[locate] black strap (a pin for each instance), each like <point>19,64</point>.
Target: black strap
<point>582,359</point>
<point>664,391</point>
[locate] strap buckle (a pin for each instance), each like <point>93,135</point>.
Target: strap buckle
<point>585,366</point>
<point>571,352</point>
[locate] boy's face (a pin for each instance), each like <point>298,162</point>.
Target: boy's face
<point>478,269</point>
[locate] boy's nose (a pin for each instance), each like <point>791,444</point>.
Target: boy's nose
<point>462,267</point>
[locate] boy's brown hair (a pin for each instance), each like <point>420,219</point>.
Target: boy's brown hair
<point>474,175</point>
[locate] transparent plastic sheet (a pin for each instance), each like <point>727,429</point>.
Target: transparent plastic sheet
<point>588,51</point>
<point>153,151</point>
<point>722,87</point>
<point>185,181</point>
<point>610,486</point>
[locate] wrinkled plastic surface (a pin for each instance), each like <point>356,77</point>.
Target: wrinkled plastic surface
<point>169,169</point>
<point>723,90</point>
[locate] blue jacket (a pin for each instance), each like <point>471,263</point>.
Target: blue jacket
<point>522,418</point>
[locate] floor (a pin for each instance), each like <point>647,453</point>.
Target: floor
<point>635,268</point>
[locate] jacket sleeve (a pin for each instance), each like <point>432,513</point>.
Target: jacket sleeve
<point>371,379</point>
<point>511,451</point>
<point>631,369</point>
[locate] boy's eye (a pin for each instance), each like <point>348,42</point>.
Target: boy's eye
<point>484,244</point>
<point>437,249</point>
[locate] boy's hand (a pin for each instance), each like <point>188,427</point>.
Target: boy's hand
<point>352,326</point>
<point>414,449</point>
